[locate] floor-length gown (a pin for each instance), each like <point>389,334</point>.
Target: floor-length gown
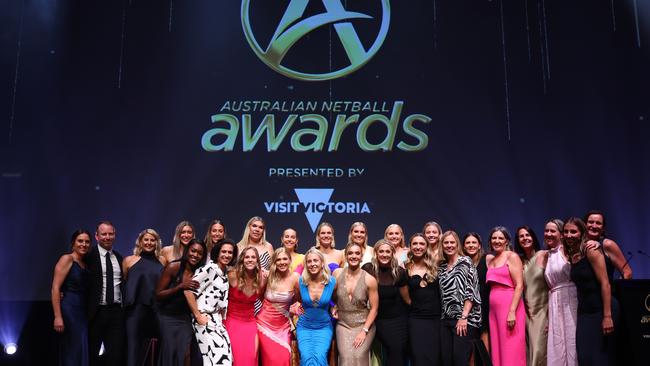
<point>508,346</point>
<point>241,327</point>
<point>274,328</point>
<point>562,311</point>
<point>353,313</point>
<point>392,317</point>
<point>73,347</point>
<point>536,302</point>
<point>139,290</point>
<point>314,327</point>
<point>175,324</point>
<point>424,321</point>
<point>593,347</point>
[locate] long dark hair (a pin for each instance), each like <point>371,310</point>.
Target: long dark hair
<point>518,248</point>
<point>77,233</point>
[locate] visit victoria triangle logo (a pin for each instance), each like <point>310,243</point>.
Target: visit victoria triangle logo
<point>294,26</point>
<point>314,202</point>
<point>309,197</point>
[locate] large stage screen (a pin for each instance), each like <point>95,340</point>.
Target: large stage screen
<point>469,113</point>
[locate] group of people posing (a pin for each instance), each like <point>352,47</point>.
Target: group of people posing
<point>432,299</point>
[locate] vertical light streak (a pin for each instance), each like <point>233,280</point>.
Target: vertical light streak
<point>505,68</point>
<point>14,91</point>
<point>119,70</point>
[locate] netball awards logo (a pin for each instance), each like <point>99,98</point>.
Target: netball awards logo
<point>294,26</point>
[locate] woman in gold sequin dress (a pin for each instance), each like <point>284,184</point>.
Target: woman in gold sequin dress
<point>357,302</point>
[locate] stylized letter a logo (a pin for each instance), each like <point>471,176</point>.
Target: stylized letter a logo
<point>292,28</point>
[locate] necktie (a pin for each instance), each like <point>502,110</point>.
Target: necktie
<point>110,290</point>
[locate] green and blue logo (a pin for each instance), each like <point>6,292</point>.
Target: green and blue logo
<point>293,27</point>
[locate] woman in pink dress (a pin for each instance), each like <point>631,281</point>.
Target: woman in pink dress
<point>507,314</point>
<point>274,323</point>
<point>247,285</point>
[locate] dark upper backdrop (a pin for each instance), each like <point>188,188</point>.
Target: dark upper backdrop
<point>538,109</point>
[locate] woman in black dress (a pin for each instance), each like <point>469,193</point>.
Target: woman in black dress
<point>141,273</point>
<point>426,306</point>
<point>595,341</point>
<point>71,279</point>
<point>392,320</point>
<point>176,333</point>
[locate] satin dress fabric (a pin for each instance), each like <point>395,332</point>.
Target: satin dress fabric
<point>562,311</point>
<point>536,303</point>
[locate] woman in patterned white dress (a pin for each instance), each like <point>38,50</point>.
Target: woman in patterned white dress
<point>209,303</point>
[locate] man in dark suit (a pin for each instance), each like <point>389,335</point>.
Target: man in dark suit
<point>105,315</point>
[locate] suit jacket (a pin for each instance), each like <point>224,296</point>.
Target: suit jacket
<point>95,268</point>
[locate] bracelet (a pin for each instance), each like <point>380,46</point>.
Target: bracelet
<point>365,330</point>
<point>463,317</point>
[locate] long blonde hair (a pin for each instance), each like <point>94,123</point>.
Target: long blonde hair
<point>431,264</point>
<point>176,242</point>
<point>325,271</point>
<point>323,224</point>
<point>394,265</point>
<point>459,246</point>
<point>437,226</point>
<point>244,242</point>
<point>402,242</point>
<point>138,242</point>
<point>365,241</point>
<point>273,273</point>
<point>241,271</point>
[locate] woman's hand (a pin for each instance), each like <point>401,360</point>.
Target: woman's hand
<point>335,312</point>
<point>608,325</point>
<point>359,339</point>
<point>201,319</point>
<point>461,327</point>
<point>511,320</point>
<point>189,285</point>
<point>58,325</point>
<point>296,309</point>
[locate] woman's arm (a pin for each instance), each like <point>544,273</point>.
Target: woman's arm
<point>461,324</point>
<point>597,262</point>
<point>162,292</point>
<point>618,258</point>
<point>470,292</point>
<point>373,298</point>
<point>127,263</point>
<point>201,318</point>
<point>517,274</point>
<point>406,296</point>
<point>61,270</point>
<point>341,257</point>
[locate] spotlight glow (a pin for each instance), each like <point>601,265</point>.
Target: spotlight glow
<point>11,348</point>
